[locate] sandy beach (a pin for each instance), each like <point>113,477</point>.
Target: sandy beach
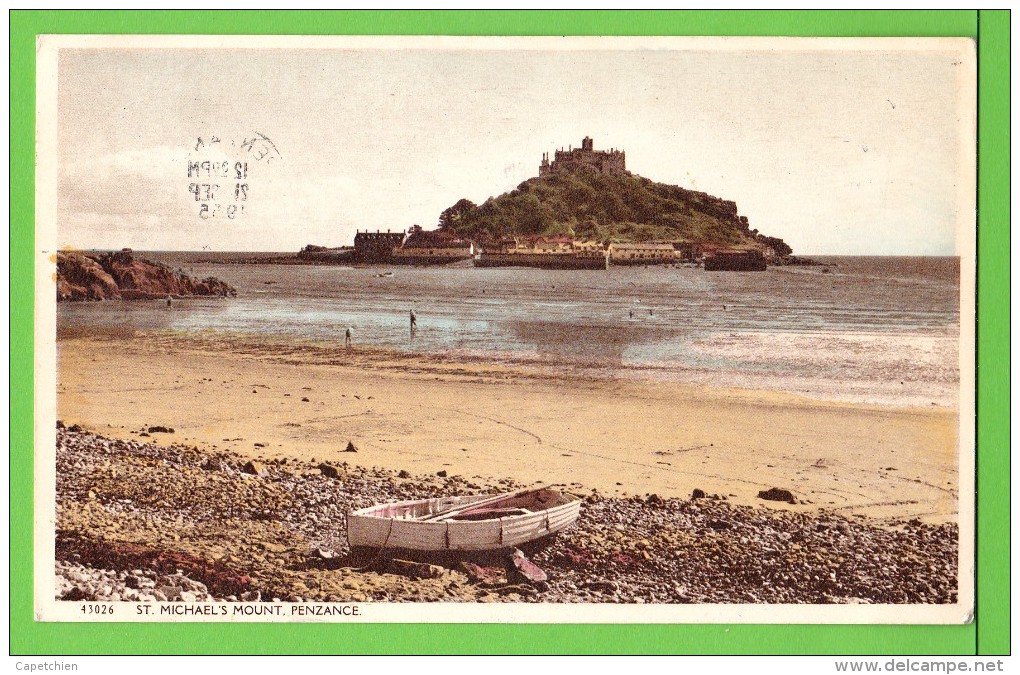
<point>482,421</point>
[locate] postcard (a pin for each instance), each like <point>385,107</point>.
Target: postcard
<point>491,329</point>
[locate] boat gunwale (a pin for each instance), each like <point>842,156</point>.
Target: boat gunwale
<point>365,513</point>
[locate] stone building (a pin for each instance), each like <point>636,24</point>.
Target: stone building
<point>434,247</point>
<point>585,158</point>
<point>643,253</point>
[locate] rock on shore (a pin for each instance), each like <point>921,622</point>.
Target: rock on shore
<point>113,276</point>
<point>139,521</point>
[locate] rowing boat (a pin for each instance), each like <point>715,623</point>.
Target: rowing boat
<point>467,523</point>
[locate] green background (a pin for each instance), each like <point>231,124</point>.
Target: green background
<point>989,634</point>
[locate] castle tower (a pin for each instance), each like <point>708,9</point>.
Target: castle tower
<point>584,158</point>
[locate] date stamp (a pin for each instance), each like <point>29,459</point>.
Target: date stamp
<point>219,173</point>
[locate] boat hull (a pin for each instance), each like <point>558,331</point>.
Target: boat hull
<point>398,526</point>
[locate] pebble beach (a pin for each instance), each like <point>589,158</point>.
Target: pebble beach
<point>143,521</point>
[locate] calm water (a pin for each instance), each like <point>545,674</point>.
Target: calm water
<point>873,329</point>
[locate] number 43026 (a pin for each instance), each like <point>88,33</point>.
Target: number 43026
<point>97,609</point>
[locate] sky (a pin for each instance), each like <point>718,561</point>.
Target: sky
<point>858,150</point>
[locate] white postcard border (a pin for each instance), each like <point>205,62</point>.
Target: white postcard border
<point>49,609</point>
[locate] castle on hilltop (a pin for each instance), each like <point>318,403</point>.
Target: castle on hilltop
<point>584,158</point>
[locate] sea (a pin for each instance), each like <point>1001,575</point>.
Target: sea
<point>871,330</point>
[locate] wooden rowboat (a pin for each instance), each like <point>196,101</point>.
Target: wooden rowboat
<point>470,523</point>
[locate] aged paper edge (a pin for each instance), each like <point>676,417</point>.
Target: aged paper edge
<point>49,609</point>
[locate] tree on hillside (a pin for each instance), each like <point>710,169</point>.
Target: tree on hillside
<point>452,215</point>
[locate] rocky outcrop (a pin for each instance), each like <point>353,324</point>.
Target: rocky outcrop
<point>81,277</point>
<point>115,276</point>
<point>323,255</point>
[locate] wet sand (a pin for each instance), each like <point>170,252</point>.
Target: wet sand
<point>527,421</point>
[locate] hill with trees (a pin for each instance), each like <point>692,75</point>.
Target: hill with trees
<point>606,207</point>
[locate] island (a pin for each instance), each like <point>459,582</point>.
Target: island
<point>584,210</point>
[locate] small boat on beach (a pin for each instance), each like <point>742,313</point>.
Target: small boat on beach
<point>469,523</point>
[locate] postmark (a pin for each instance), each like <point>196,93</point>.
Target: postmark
<point>218,177</point>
